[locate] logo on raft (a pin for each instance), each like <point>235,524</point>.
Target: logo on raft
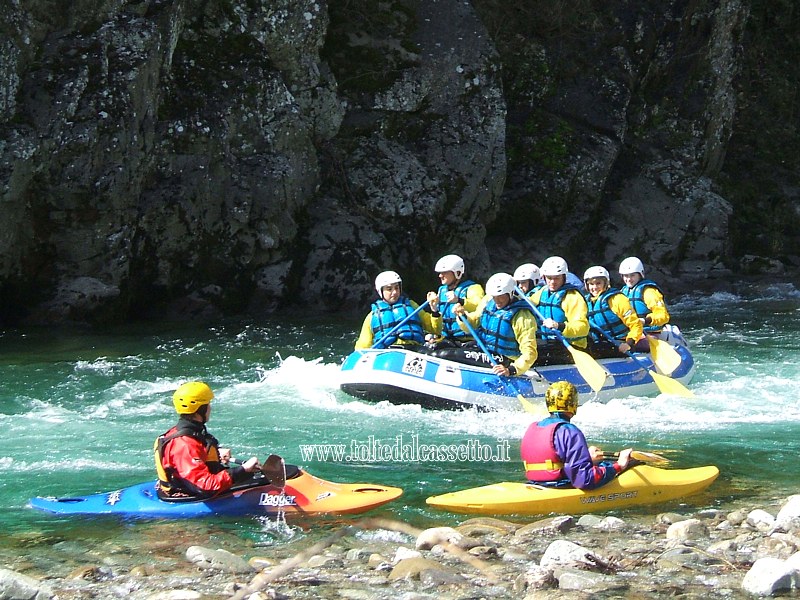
<point>276,500</point>
<point>114,497</point>
<point>609,497</point>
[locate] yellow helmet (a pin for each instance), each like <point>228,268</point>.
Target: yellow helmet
<point>190,396</point>
<point>561,396</point>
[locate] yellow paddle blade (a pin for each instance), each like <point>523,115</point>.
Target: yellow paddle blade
<point>539,411</point>
<point>664,356</point>
<point>667,385</point>
<point>591,370</point>
<point>650,457</point>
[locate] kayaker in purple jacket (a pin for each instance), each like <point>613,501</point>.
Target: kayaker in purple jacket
<point>555,452</point>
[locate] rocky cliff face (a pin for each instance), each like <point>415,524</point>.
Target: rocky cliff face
<point>194,157</point>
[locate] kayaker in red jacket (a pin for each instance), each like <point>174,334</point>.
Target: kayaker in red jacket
<point>189,461</point>
<point>555,452</point>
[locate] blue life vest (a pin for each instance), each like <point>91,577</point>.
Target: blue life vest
<point>498,335</point>
<point>636,295</point>
<point>550,307</point>
<point>450,328</point>
<point>602,317</point>
<point>386,316</point>
<point>538,451</point>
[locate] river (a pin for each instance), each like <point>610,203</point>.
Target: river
<point>80,410</point>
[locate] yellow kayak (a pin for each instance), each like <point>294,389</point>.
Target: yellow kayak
<point>638,485</point>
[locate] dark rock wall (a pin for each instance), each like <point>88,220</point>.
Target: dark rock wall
<point>192,158</point>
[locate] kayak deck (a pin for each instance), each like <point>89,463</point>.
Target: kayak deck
<point>637,486</point>
<point>304,494</point>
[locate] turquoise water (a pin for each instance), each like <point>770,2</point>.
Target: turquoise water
<point>79,411</point>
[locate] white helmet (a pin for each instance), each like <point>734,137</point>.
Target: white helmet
<point>596,271</point>
<point>500,283</point>
<point>555,265</point>
<point>527,271</point>
<point>450,262</point>
<point>386,278</point>
<point>631,265</point>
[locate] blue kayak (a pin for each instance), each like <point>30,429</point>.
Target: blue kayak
<point>303,494</point>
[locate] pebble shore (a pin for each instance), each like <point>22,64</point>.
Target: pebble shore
<point>745,552</point>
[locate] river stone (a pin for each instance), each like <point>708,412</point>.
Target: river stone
<point>549,526</point>
<point>788,517</point>
<point>611,524</point>
<point>677,558</point>
<point>563,553</point>
<point>436,535</point>
<point>690,529</point>
<point>16,586</point>
<point>770,575</point>
<point>760,520</point>
<point>491,523</point>
<point>375,560</point>
<point>589,583</point>
<point>217,560</point>
<point>794,561</point>
<point>536,577</point>
<point>176,595</point>
<point>737,517</point>
<point>670,518</point>
<point>402,553</point>
<point>589,521</point>
<point>410,568</point>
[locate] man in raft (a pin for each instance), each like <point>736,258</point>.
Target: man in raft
<point>555,452</point>
<point>455,290</point>
<point>615,328</point>
<point>645,297</point>
<point>189,461</point>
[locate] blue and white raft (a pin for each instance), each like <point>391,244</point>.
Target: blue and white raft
<point>462,378</point>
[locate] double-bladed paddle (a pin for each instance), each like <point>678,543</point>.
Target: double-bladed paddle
<point>645,457</point>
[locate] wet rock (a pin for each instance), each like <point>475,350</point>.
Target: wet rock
<point>611,524</point>
<point>402,553</point>
<point>670,518</point>
<point>439,577</point>
<point>563,553</point>
<point>589,521</point>
<point>260,562</point>
<point>770,575</point>
<point>589,583</point>
<point>535,577</point>
<point>176,595</point>
<point>544,527</point>
<point>491,524</point>
<point>760,519</point>
<point>217,560</point>
<point>16,586</point>
<point>436,535</point>
<point>737,517</point>
<point>375,560</point>
<point>788,517</point>
<point>410,568</point>
<point>678,558</point>
<point>689,529</point>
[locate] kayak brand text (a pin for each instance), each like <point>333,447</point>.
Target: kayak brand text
<point>609,497</point>
<point>276,500</point>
